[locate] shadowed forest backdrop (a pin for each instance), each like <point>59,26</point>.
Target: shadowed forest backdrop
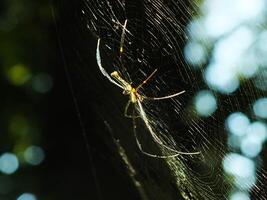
<point>63,133</point>
<point>43,152</point>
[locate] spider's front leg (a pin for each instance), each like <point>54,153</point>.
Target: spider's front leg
<point>102,69</point>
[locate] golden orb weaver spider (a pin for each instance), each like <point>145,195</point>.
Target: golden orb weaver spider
<point>136,99</point>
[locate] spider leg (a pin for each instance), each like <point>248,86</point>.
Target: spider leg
<point>123,37</point>
<point>155,137</point>
<point>121,49</point>
<point>103,71</point>
<point>148,78</point>
<point>126,111</point>
<point>164,97</point>
<point>150,154</point>
<point>140,146</point>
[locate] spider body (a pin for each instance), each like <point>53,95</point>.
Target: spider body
<point>127,88</point>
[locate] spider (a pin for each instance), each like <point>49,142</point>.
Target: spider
<point>136,99</point>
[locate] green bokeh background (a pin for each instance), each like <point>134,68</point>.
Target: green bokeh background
<point>37,108</point>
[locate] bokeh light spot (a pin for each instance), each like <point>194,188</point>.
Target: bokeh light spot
<point>42,83</point>
<point>195,53</point>
<point>221,78</point>
<point>238,165</point>
<point>196,30</point>
<point>229,50</point>
<point>27,196</point>
<point>262,49</point>
<point>257,131</point>
<point>223,15</point>
<point>34,155</point>
<point>237,123</point>
<point>18,74</point>
<point>251,146</point>
<point>260,108</point>
<point>260,80</point>
<point>248,66</point>
<point>239,196</point>
<point>234,141</point>
<point>250,9</point>
<point>205,103</point>
<point>245,183</point>
<point>8,163</point>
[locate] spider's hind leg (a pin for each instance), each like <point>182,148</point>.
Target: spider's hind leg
<point>157,139</point>
<point>145,152</point>
<point>132,116</point>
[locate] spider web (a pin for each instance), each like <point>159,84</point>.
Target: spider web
<point>156,36</point>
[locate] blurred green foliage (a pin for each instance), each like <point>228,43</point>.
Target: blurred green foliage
<point>27,45</point>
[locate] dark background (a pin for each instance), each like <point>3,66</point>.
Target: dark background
<point>75,120</point>
<point>72,168</point>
